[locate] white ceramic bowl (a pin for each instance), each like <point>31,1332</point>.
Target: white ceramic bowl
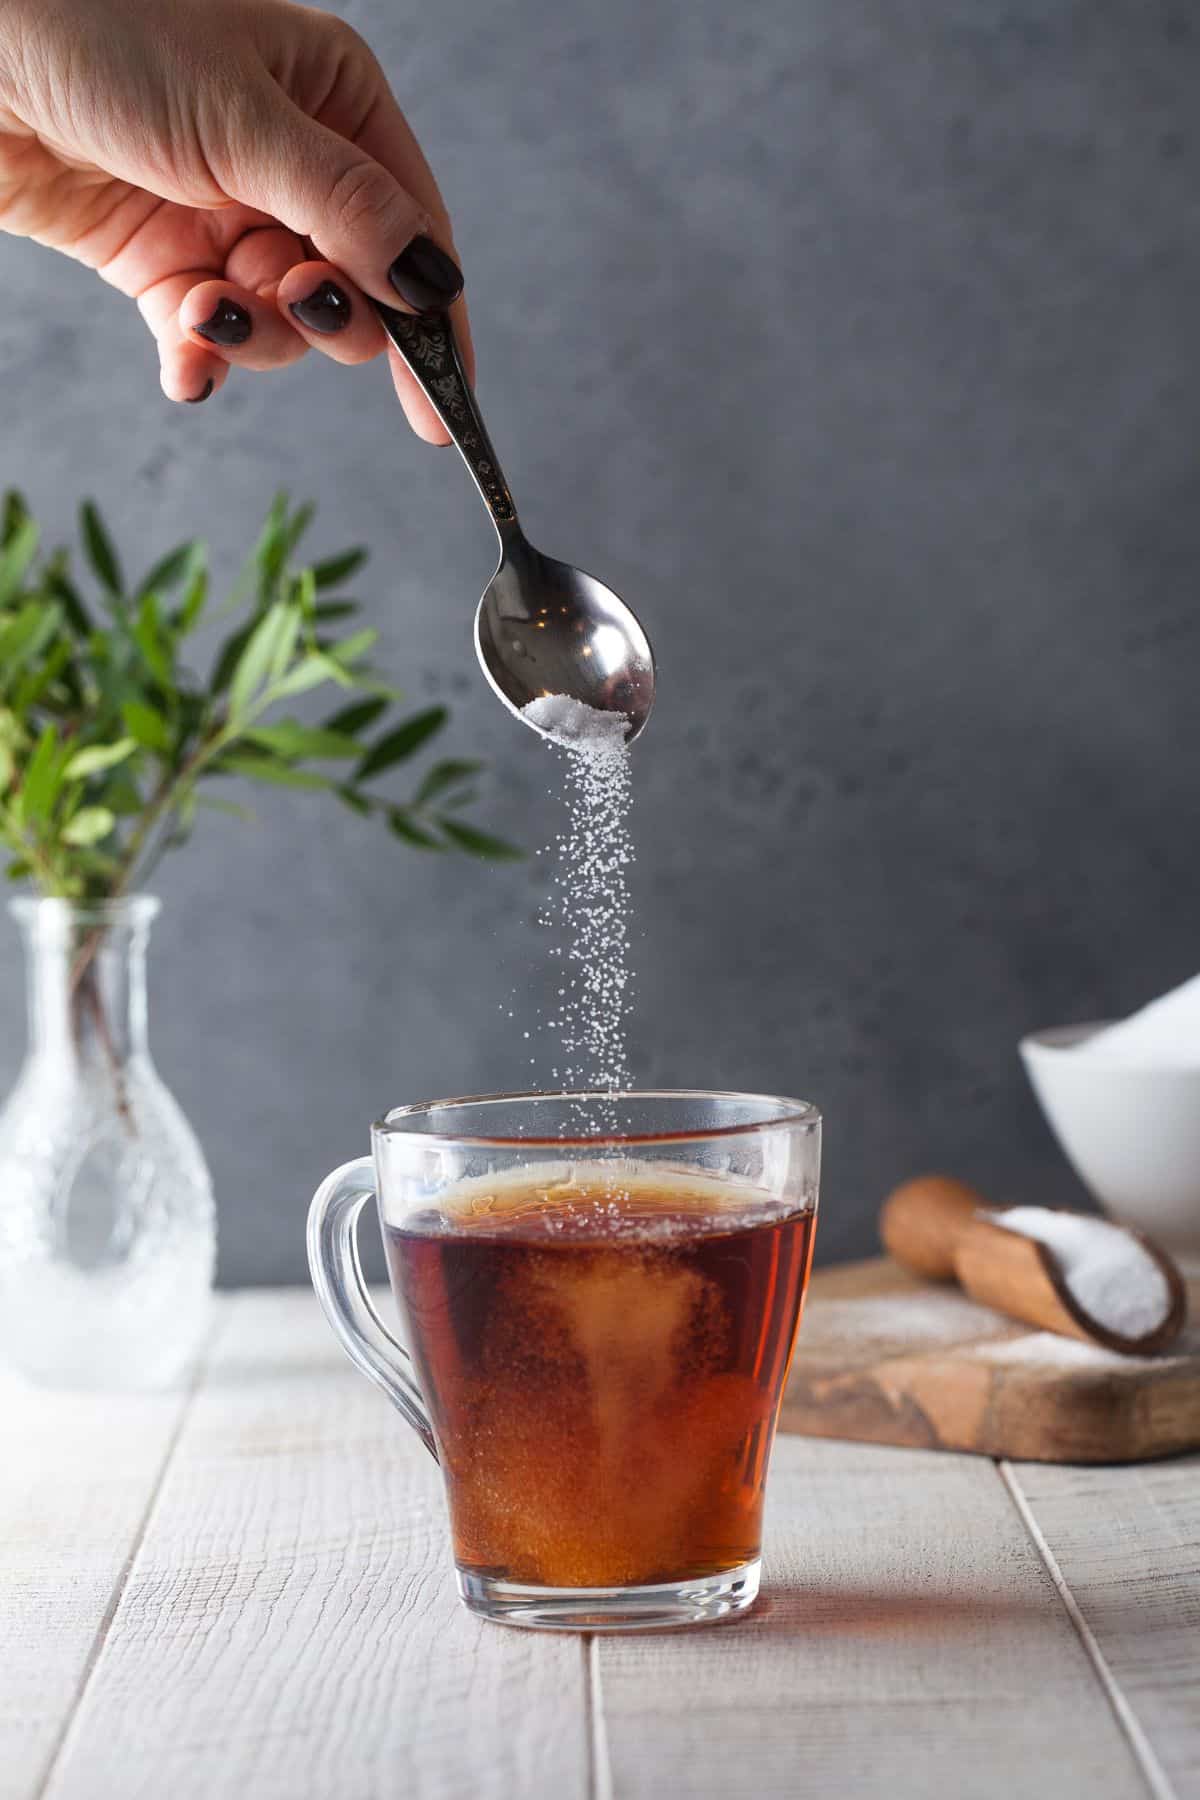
<point>1130,1131</point>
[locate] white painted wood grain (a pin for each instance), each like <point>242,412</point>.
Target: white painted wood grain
<point>289,1626</point>
<point>911,1645</point>
<point>77,1473</point>
<point>1126,1543</point>
<point>287,1623</point>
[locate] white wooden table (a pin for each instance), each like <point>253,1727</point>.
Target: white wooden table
<point>245,1591</point>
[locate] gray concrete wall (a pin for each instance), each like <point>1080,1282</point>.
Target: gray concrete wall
<point>857,344</point>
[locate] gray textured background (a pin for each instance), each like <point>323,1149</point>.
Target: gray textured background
<point>857,344</point>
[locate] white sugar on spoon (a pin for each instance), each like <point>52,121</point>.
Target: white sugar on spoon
<point>568,721</point>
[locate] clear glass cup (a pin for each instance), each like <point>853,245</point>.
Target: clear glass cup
<point>600,1297</point>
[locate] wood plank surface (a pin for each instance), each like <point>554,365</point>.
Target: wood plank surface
<point>251,1595</point>
<point>886,1358</point>
<point>1125,1544</point>
<point>290,1627</point>
<point>77,1477</point>
<point>911,1644</point>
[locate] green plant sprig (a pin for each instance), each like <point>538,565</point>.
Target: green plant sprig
<point>109,745</point>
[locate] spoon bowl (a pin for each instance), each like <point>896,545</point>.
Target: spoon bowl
<point>543,627</point>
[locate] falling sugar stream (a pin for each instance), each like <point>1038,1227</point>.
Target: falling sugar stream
<point>588,908</point>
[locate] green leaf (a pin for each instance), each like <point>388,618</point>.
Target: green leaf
<point>95,757</point>
<point>24,635</point>
<point>19,869</point>
<point>148,636</point>
<point>356,718</point>
<point>8,767</point>
<point>36,681</point>
<point>353,648</point>
<point>405,827</point>
<point>194,596</point>
<point>325,611</point>
<point>58,583</point>
<point>146,726</point>
<point>255,660</point>
<point>43,777</point>
<point>13,514</point>
<point>227,656</point>
<point>290,739</point>
<point>338,568</point>
<point>443,776</point>
<point>263,768</point>
<point>122,795</point>
<point>169,570</point>
<point>479,843</point>
<point>16,557</point>
<point>100,550</point>
<point>285,643</point>
<point>401,743</point>
<point>296,526</point>
<point>310,673</point>
<point>90,824</point>
<point>267,557</point>
<point>358,803</point>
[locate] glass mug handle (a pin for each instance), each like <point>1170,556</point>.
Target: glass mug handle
<point>338,1279</point>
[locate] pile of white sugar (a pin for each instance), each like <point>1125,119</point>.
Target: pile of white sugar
<point>1164,1034</point>
<point>572,722</point>
<point>588,909</point>
<point>1109,1275</point>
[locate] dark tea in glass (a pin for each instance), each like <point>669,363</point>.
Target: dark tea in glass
<point>603,1366</point>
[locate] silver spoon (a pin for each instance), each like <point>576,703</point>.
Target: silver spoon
<point>542,626</point>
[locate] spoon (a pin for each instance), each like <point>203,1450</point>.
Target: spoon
<point>542,626</point>
<point>943,1230</point>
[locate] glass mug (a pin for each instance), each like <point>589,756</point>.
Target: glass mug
<point>600,1321</point>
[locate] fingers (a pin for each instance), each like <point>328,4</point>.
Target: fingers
<point>385,134</point>
<point>188,371</point>
<point>330,190</point>
<point>238,326</point>
<point>259,260</point>
<point>330,312</point>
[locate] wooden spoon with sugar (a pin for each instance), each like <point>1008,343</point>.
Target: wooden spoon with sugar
<point>1081,1276</point>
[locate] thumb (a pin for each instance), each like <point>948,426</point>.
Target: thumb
<point>330,190</point>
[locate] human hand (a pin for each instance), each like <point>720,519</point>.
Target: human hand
<point>240,168</point>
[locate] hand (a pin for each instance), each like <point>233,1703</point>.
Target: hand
<point>240,168</point>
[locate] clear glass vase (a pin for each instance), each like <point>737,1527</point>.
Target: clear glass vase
<point>107,1229</point>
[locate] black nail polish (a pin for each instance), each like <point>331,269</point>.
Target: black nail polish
<point>425,277</point>
<point>229,325</point>
<point>205,391</point>
<point>326,309</point>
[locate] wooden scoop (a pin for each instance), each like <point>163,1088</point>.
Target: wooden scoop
<point>944,1230</point>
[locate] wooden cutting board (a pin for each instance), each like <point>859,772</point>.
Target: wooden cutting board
<point>888,1359</point>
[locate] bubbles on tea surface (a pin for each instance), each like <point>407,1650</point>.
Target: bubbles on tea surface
<point>601,1204</point>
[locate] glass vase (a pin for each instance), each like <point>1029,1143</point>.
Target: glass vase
<point>107,1227</point>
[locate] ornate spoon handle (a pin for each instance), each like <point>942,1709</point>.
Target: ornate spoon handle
<point>426,342</point>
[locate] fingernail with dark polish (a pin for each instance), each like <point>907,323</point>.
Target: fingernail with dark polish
<point>425,277</point>
<point>326,309</point>
<point>229,325</point>
<point>205,391</point>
